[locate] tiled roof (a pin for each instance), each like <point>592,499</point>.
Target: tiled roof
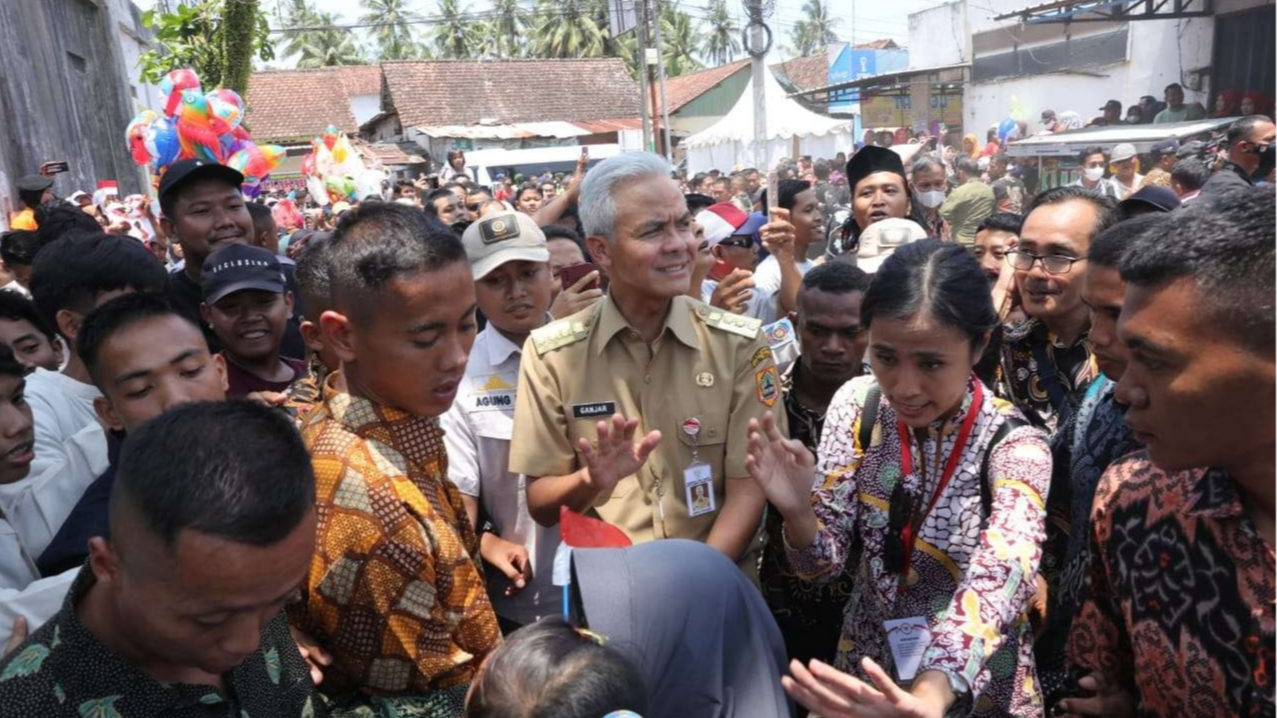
<point>463,92</point>
<point>683,89</point>
<point>804,73</point>
<point>291,105</point>
<point>883,44</point>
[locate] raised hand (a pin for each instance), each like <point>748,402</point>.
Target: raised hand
<point>734,293</point>
<point>576,297</point>
<point>833,694</point>
<point>778,235</point>
<point>617,456</point>
<point>784,468</point>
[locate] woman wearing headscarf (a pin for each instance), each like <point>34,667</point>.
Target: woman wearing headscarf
<point>971,146</point>
<point>1227,104</point>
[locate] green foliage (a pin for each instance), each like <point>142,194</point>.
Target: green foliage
<point>506,28</point>
<point>680,41</point>
<point>722,34</point>
<point>456,36</point>
<point>815,30</point>
<point>219,39</point>
<point>568,28</point>
<point>394,35</point>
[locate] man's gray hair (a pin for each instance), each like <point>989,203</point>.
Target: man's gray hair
<point>597,207</point>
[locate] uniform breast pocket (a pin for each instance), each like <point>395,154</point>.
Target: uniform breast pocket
<point>702,437</point>
<point>493,425</point>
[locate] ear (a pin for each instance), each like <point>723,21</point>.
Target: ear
<point>290,301</point>
<point>68,323</point>
<point>339,334</point>
<point>206,314</point>
<point>107,415</point>
<point>600,251</point>
<point>59,349</point>
<point>313,335</point>
<point>170,231</point>
<point>219,366</point>
<point>104,561</point>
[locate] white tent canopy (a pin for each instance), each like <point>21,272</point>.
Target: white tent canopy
<point>730,141</point>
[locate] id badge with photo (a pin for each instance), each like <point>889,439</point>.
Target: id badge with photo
<point>699,480</point>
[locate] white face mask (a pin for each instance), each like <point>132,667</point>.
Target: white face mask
<point>931,198</point>
<point>1094,174</point>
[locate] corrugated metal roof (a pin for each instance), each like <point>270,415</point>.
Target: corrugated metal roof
<point>877,79</point>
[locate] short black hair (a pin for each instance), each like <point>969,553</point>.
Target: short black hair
<point>787,193</point>
<point>1002,222</point>
<point>1191,173</point>
<point>262,217</point>
<point>429,202</point>
<point>1226,243</point>
<point>199,467</point>
<point>1092,150</point>
<point>19,247</point>
<point>723,180</point>
<point>1174,85</point>
<point>71,272</point>
<point>525,187</point>
<point>547,668</point>
<point>1000,159</point>
<point>968,166</point>
<point>697,202</point>
<point>1108,248</point>
<point>836,278</point>
<point>938,278</point>
<point>61,219</point>
<point>925,162</point>
<point>16,307</point>
<point>373,244</point>
<point>120,313</point>
<point>9,364</point>
<point>313,277</point>
<point>1241,130</point>
<point>1107,213</point>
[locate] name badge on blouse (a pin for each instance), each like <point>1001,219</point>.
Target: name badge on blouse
<point>909,639</point>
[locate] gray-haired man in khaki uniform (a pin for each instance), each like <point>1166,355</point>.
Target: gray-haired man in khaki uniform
<point>645,364</point>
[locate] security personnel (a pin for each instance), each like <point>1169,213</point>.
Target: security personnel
<point>33,190</point>
<point>646,362</point>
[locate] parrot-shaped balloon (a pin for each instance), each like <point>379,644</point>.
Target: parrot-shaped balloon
<point>174,84</point>
<point>340,188</point>
<point>136,134</point>
<point>162,143</point>
<point>255,162</point>
<point>195,127</point>
<point>330,136</point>
<point>224,114</point>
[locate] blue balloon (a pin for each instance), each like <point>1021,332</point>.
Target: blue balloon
<point>1008,128</point>
<point>162,142</point>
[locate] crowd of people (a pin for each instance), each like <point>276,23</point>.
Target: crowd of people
<point>914,437</point>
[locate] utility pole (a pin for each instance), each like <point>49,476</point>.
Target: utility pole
<point>641,7</point>
<point>660,66</point>
<point>758,40</point>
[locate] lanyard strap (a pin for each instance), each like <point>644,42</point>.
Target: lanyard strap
<point>908,534</point>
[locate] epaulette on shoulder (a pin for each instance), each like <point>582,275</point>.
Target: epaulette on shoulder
<point>557,335</point>
<point>747,327</point>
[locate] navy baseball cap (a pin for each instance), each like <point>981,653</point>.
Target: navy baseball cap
<point>180,173</point>
<point>1161,199</point>
<point>237,267</point>
<point>1165,147</point>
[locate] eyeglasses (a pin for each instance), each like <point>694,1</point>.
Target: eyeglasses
<point>743,242</point>
<point>1051,263</point>
<point>899,513</point>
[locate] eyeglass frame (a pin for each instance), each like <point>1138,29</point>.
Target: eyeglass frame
<point>1011,254</point>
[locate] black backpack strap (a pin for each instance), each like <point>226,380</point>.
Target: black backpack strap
<point>986,488</point>
<point>868,417</point>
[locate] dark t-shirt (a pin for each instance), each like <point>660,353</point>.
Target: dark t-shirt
<point>1008,194</point>
<point>187,297</point>
<point>242,383</point>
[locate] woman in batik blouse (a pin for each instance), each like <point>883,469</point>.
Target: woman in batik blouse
<point>936,489</point>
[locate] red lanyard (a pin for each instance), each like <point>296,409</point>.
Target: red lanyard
<point>907,534</point>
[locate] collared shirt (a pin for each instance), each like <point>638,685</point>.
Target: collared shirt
<point>64,670</point>
<point>768,278</point>
<point>1180,607</point>
<point>479,428</point>
<point>307,391</point>
<point>396,589</point>
<point>705,365</point>
<point>1026,383</point>
<point>971,574</point>
<point>965,208</point>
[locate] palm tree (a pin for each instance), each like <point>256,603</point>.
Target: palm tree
<point>680,41</point>
<point>722,34</point>
<point>329,47</point>
<point>568,28</point>
<point>299,13</point>
<point>393,34</point>
<point>455,35</point>
<point>509,22</point>
<point>816,29</point>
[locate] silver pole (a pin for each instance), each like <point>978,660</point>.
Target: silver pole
<point>641,8</point>
<point>660,69</point>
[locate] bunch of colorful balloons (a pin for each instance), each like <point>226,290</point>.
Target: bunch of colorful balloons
<point>200,125</point>
<point>335,172</point>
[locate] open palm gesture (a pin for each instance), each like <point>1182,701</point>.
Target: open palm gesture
<point>617,456</point>
<point>784,468</point>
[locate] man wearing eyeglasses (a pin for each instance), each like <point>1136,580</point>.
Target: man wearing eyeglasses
<point>1047,361</point>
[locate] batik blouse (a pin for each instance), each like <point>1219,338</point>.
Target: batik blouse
<point>971,576</point>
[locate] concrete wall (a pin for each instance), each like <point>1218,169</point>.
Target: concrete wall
<point>939,36</point>
<point>365,107</point>
<point>133,43</point>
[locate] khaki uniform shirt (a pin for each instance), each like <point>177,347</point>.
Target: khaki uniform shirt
<point>706,365</point>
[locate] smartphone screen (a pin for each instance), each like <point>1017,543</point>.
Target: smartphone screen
<point>573,273</point>
<point>773,191</point>
<point>720,270</point>
<point>53,168</point>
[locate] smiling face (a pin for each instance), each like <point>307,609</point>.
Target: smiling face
<point>250,323</point>
<point>208,214</point>
<point>515,296</point>
<point>406,346</point>
<point>653,245</point>
<point>922,365</point>
<point>17,430</point>
<point>1061,229</point>
<point>1198,397</point>
<point>879,196</point>
<point>808,220</point>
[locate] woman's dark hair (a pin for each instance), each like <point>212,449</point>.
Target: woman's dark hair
<point>527,186</point>
<point>454,154</point>
<point>937,278</point>
<point>549,670</point>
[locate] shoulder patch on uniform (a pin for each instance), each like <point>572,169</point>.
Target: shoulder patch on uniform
<point>557,335</point>
<point>744,326</point>
<point>763,354</point>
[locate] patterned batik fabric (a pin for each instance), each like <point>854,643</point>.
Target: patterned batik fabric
<point>1022,379</point>
<point>396,589</point>
<point>971,577</point>
<point>809,614</point>
<point>1180,602</point>
<point>64,670</point>
<point>1095,436</point>
<point>306,392</point>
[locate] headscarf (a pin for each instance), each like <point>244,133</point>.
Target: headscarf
<point>975,145</point>
<point>1232,103</point>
